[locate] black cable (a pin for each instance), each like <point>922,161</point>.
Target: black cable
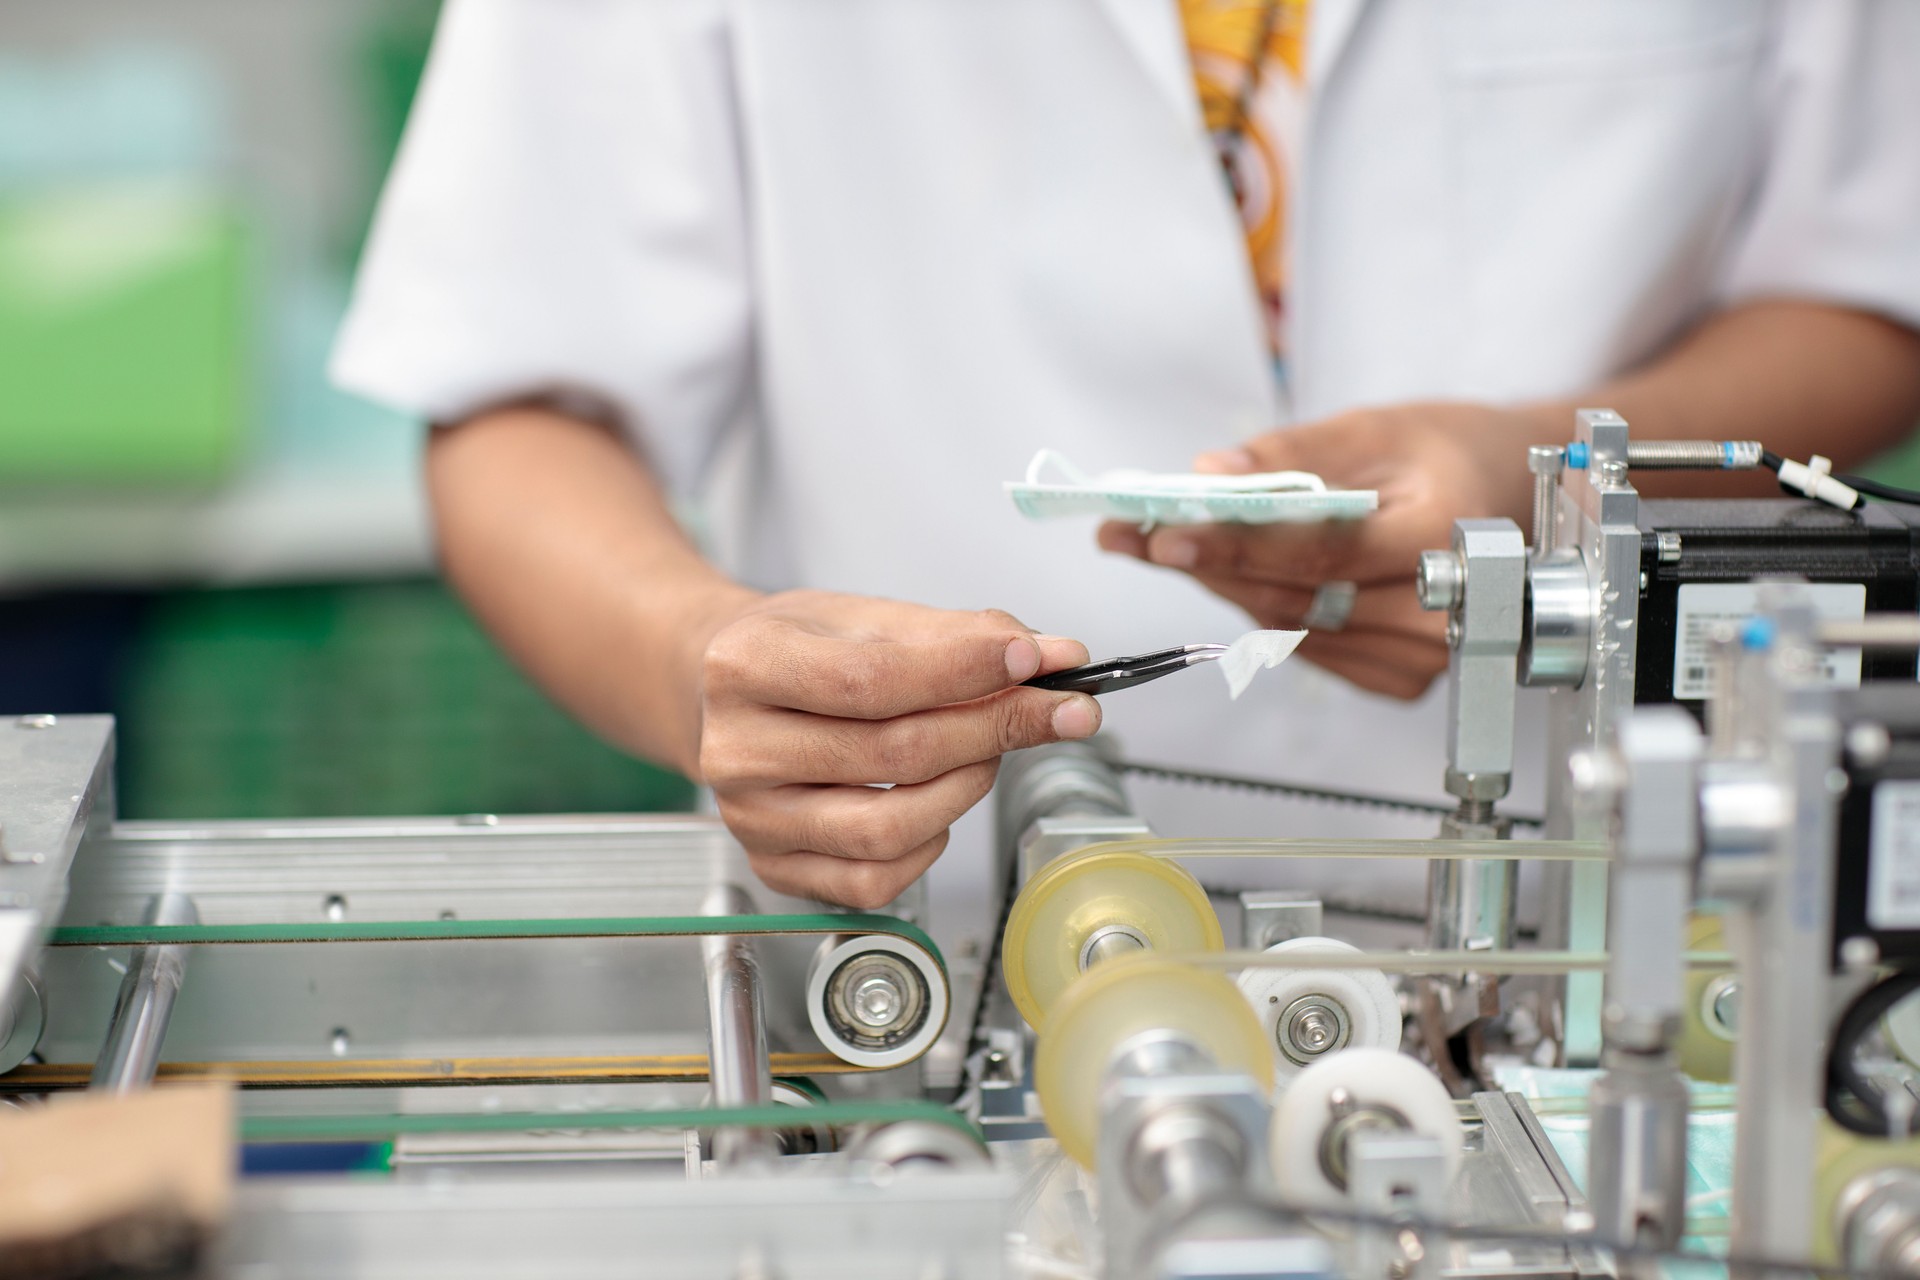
<point>1871,488</point>
<point>1884,492</point>
<point>1853,1101</point>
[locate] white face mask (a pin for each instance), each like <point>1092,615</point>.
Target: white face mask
<point>1151,498</point>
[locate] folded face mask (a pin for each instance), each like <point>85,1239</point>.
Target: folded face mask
<point>1150,498</point>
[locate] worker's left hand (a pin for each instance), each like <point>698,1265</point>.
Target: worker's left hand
<point>1431,463</point>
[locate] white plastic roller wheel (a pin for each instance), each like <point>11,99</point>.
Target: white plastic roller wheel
<point>1365,999</point>
<point>1372,1078</point>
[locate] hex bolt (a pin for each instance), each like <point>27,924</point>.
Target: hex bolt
<point>877,1000</point>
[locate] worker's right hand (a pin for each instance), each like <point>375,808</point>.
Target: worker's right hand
<point>842,735</point>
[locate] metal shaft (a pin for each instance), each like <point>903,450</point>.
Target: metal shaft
<point>1187,1156</point>
<point>144,1007</point>
<point>1878,631</point>
<point>1470,904</point>
<point>736,1033</point>
<point>1110,944</point>
<point>1693,455</point>
<point>1184,1153</point>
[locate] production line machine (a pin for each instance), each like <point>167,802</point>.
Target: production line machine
<point>596,1046</point>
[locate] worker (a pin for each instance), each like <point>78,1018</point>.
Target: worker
<point>827,272</point>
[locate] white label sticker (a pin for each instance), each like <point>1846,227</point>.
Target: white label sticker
<point>1705,605</point>
<point>1893,868</point>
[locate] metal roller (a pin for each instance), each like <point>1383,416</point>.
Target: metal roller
<point>875,1000</point>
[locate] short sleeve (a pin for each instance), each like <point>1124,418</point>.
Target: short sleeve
<point>566,215</point>
<point>1837,215</point>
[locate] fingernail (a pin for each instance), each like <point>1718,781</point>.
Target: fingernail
<point>1226,462</point>
<point>1023,659</point>
<point>1076,717</point>
<point>1175,553</point>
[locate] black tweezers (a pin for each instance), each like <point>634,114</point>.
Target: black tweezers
<point>1124,673</point>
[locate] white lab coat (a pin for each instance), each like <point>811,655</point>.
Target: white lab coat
<point>865,256</point>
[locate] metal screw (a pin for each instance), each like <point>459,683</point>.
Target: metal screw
<point>1859,953</point>
<point>340,1042</point>
<point>877,1000</point>
<point>1311,1026</point>
<point>336,908</point>
<point>874,998</point>
<point>1543,460</point>
<point>1868,744</point>
<point>1312,1030</point>
<point>37,722</point>
<point>1667,546</point>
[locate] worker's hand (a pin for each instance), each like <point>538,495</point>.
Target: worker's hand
<point>842,736</point>
<point>1430,462</point>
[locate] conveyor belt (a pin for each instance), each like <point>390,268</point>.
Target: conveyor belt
<point>200,935</point>
<point>377,1128</point>
<point>418,1072</point>
<point>391,1073</point>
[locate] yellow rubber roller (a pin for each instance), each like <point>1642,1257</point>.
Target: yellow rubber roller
<point>1078,898</point>
<point>1842,1158</point>
<point>1128,997</point>
<point>1706,1028</point>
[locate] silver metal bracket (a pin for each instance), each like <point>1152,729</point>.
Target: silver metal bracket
<point>1270,916</point>
<point>1396,1175</point>
<point>1133,1225</point>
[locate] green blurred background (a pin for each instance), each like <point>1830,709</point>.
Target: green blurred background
<point>196,533</point>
